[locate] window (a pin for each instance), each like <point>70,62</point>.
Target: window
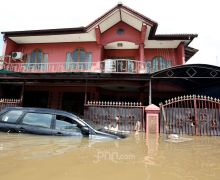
<point>120,31</point>
<point>155,64</point>
<point>148,66</point>
<point>66,124</point>
<point>159,63</point>
<point>11,116</point>
<point>38,119</point>
<point>79,59</point>
<point>37,60</point>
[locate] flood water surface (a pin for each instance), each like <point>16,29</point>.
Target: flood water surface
<point>137,157</point>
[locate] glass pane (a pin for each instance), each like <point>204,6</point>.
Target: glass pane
<point>37,119</point>
<point>148,65</point>
<point>82,55</point>
<point>67,124</point>
<point>39,56</point>
<point>28,58</point>
<point>75,55</point>
<point>69,61</point>
<point>11,116</point>
<point>89,60</point>
<point>130,66</point>
<point>45,58</point>
<point>45,61</point>
<point>155,64</point>
<point>33,57</point>
<point>169,64</point>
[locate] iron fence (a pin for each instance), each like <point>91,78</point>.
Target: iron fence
<point>10,103</point>
<point>193,115</point>
<point>103,114</point>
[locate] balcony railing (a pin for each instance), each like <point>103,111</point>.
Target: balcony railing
<point>123,66</point>
<point>52,67</point>
<point>105,66</point>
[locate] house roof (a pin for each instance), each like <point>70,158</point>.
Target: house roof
<point>104,22</point>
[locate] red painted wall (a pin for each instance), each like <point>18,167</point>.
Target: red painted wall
<point>10,46</point>
<point>130,34</point>
<point>57,51</point>
<point>121,53</point>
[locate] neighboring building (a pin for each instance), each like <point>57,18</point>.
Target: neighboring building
<point>118,57</point>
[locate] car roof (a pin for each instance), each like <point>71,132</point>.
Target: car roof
<point>44,110</point>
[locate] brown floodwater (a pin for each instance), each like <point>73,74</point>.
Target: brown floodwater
<point>40,157</point>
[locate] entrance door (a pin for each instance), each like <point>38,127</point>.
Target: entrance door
<point>73,102</point>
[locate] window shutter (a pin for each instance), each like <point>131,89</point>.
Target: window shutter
<point>75,55</point>
<point>68,61</point>
<point>33,57</point>
<point>45,61</point>
<point>27,65</point>
<point>89,60</point>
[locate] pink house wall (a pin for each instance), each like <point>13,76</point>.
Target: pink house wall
<point>168,54</point>
<point>9,46</point>
<point>57,51</point>
<point>130,34</point>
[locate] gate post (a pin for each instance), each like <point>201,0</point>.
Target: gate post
<point>152,119</point>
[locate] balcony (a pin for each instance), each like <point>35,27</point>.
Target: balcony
<point>105,66</point>
<point>123,66</point>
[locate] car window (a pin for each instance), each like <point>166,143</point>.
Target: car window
<point>38,119</point>
<point>11,116</point>
<point>67,124</point>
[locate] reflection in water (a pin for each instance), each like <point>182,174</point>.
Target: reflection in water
<point>137,157</point>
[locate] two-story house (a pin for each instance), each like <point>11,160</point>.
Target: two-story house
<point>112,59</point>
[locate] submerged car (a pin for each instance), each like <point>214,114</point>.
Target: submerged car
<point>43,121</point>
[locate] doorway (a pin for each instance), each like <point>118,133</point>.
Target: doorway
<point>73,102</point>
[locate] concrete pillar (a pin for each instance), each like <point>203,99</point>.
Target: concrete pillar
<point>141,52</point>
<point>152,119</point>
<point>141,57</point>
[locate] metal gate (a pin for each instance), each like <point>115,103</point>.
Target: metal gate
<point>10,103</point>
<point>104,114</point>
<point>193,115</point>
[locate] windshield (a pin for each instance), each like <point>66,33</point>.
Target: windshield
<point>92,124</point>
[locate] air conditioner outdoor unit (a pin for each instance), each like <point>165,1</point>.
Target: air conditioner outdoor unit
<point>16,55</point>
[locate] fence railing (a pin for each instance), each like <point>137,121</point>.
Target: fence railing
<point>105,66</point>
<point>10,103</point>
<point>193,115</point>
<point>103,114</point>
<point>52,67</point>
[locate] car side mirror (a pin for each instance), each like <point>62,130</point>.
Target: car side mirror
<point>85,130</point>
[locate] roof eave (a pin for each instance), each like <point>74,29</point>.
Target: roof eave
<point>45,32</point>
<point>173,37</point>
<point>189,52</point>
<point>120,6</point>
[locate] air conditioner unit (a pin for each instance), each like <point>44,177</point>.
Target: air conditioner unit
<point>16,55</point>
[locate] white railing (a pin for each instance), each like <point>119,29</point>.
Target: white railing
<point>53,67</point>
<point>106,66</point>
<point>123,66</point>
<point>1,62</point>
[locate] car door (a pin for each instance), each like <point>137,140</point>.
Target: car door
<point>8,120</point>
<point>66,126</point>
<point>36,123</point>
